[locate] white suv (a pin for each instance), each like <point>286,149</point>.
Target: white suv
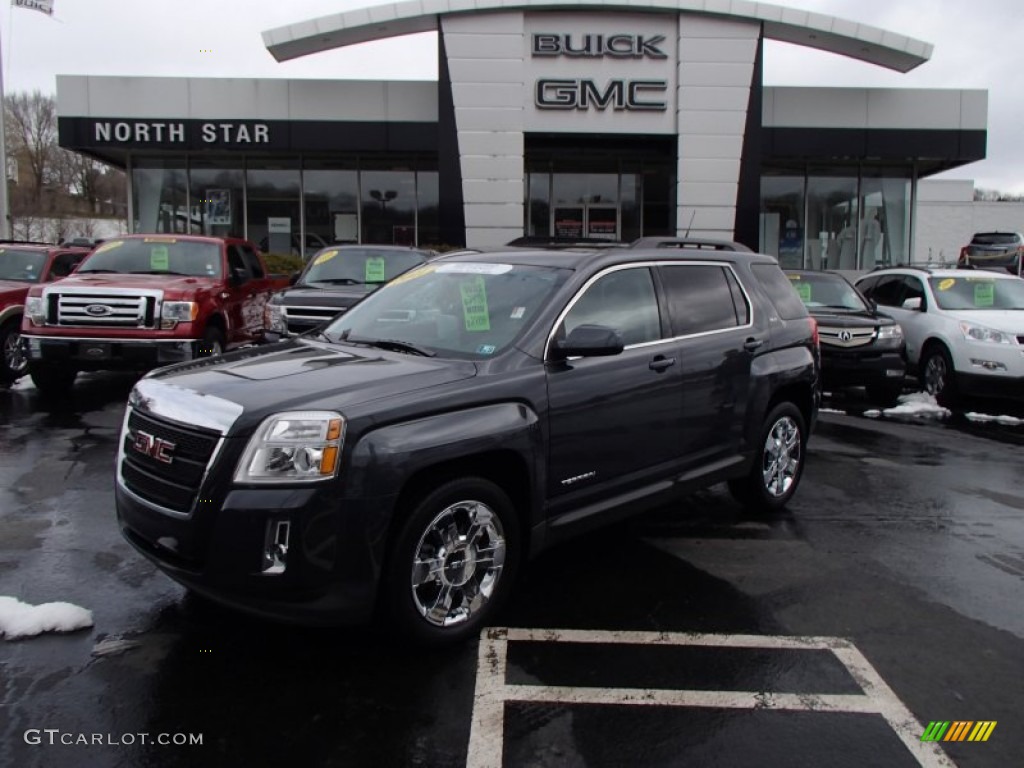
<point>964,328</point>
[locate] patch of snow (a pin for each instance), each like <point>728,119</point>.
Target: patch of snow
<point>830,410</point>
<point>918,404</point>
<point>874,413</point>
<point>18,619</point>
<point>1009,421</point>
<point>113,646</point>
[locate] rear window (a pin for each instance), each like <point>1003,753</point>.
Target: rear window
<point>781,292</point>
<point>155,256</point>
<point>358,266</point>
<point>995,238</point>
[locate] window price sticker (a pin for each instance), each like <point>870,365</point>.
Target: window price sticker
<point>474,305</point>
<point>159,258</point>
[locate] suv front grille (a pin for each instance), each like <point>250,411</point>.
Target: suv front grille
<point>99,310</point>
<point>303,318</point>
<point>165,463</point>
<point>846,337</point>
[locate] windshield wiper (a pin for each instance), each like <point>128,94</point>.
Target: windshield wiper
<point>394,345</point>
<point>317,333</point>
<point>338,280</point>
<point>97,271</point>
<point>158,272</point>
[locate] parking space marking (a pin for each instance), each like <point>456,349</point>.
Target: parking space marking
<point>486,739</point>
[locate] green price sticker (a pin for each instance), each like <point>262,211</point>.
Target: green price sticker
<point>375,270</point>
<point>804,291</point>
<point>158,258</point>
<point>984,294</point>
<point>474,305</point>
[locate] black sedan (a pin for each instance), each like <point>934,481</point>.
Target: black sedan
<point>860,346</point>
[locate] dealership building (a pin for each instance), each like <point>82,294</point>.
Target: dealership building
<point>564,118</point>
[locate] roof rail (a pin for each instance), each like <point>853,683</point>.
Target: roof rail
<point>689,242</point>
<point>923,267</point>
<point>542,241</point>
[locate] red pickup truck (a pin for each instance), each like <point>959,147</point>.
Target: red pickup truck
<point>22,265</point>
<point>142,301</point>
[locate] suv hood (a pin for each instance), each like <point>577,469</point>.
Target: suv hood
<point>306,375</point>
<point>834,318</point>
<point>13,289</point>
<point>180,283</point>
<point>1006,320</point>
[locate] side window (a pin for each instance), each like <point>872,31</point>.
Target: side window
<point>236,264</point>
<point>889,291</point>
<point>253,261</point>
<point>699,298</point>
<point>780,290</point>
<point>739,300</point>
<point>867,285</point>
<point>624,300</point>
<point>913,289</point>
<point>63,263</point>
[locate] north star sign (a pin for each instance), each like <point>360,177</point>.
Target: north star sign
<point>584,93</point>
<point>174,132</point>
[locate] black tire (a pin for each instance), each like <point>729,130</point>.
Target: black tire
<point>886,395</point>
<point>770,494</point>
<point>52,379</point>
<point>13,363</point>
<point>938,376</point>
<point>212,343</point>
<point>453,600</point>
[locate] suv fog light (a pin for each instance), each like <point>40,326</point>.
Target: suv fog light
<point>275,547</point>
<point>988,365</point>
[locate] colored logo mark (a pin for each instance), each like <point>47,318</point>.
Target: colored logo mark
<point>958,730</point>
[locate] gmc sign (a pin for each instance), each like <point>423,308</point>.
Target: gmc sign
<point>620,95</point>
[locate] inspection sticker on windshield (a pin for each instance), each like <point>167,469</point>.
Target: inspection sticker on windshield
<point>946,284</point>
<point>375,270</point>
<point>984,294</point>
<point>517,313</point>
<point>474,304</point>
<point>472,268</point>
<point>324,257</point>
<point>158,257</point>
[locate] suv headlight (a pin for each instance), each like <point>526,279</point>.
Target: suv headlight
<point>981,333</point>
<point>175,312</point>
<point>293,446</point>
<point>35,309</point>
<point>275,318</point>
<point>890,335</point>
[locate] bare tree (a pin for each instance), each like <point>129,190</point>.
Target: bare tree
<point>31,127</point>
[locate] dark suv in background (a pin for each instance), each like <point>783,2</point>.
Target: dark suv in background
<point>410,456</point>
<point>994,250</point>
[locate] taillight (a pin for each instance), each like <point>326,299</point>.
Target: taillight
<point>963,255</point>
<point>814,332</point>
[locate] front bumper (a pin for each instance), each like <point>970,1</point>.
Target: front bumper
<point>105,354</point>
<point>333,559</point>
<point>862,368</point>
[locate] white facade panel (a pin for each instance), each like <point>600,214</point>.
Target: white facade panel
<point>493,142</point>
<point>489,191</point>
<point>973,110</point>
<point>496,23</point>
<point>818,108</point>
<point>703,169</point>
<point>712,146</point>
<point>485,71</point>
<point>164,97</point>
<point>912,108</point>
<point>257,99</point>
<point>712,194</point>
<point>323,100</point>
<point>483,237</point>
<point>482,45</point>
<point>72,95</point>
<point>704,121</point>
<point>720,218</point>
<point>502,216</point>
<point>487,118</point>
<point>415,102</point>
<point>716,74</point>
<point>487,95</point>
<point>739,50</point>
<point>703,26</point>
<point>482,167</point>
<point>722,99</point>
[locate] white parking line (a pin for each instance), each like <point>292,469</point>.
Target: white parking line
<point>487,731</point>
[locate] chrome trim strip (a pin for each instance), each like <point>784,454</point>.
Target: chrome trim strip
<point>185,406</point>
<point>110,340</point>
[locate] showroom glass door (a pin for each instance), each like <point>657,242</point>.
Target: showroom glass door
<point>592,221</point>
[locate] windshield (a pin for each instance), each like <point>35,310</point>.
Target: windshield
<point>995,238</point>
<point>978,292</point>
<point>457,309</point>
<point>154,256</point>
<point>824,290</point>
<point>360,265</point>
<point>22,265</point>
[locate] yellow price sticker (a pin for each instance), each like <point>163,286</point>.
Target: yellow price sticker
<point>412,274</point>
<point>324,257</point>
<point>946,284</point>
<point>110,246</point>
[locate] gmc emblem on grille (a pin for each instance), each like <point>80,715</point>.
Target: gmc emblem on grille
<point>98,310</point>
<point>154,447</point>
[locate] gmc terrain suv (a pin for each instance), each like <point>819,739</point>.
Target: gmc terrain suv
<point>410,456</point>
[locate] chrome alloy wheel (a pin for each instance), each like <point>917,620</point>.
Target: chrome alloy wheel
<point>935,374</point>
<point>14,358</point>
<point>782,456</point>
<point>457,563</point>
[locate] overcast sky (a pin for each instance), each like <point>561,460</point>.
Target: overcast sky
<point>978,44</point>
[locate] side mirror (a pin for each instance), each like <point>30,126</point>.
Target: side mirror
<point>913,304</point>
<point>294,277</point>
<point>590,341</point>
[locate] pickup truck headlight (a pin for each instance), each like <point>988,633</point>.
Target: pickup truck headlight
<point>275,318</point>
<point>293,446</point>
<point>981,333</point>
<point>890,336</point>
<point>35,309</point>
<point>175,312</point>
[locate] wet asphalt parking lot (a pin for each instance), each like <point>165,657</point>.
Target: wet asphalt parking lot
<point>889,595</point>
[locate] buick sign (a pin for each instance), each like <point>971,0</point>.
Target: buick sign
<point>98,310</point>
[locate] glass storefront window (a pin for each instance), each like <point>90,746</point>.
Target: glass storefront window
<point>216,197</point>
<point>272,205</point>
<point>630,196</point>
<point>538,204</point>
<point>389,207</point>
<point>831,219</point>
<point>885,224</point>
<point>159,196</point>
<point>428,219</point>
<point>331,198</point>
<point>782,216</point>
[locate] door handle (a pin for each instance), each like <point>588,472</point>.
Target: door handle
<point>751,344</point>
<point>660,363</point>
